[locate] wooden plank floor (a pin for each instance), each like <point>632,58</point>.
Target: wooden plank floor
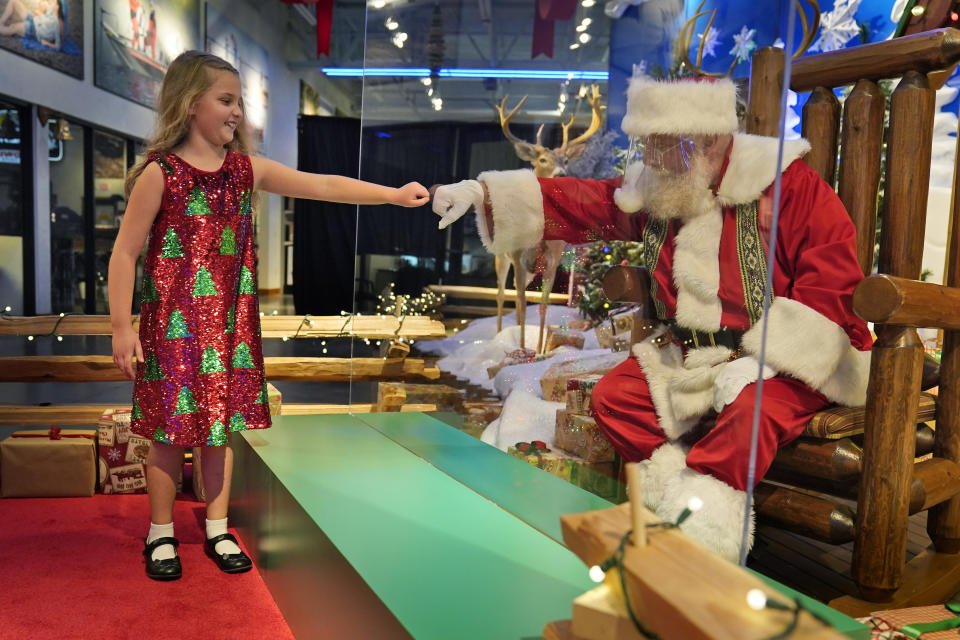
<point>818,569</point>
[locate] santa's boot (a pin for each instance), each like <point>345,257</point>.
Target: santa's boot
<point>667,461</point>
<point>718,523</point>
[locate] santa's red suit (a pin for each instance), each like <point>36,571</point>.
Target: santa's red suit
<point>708,275</point>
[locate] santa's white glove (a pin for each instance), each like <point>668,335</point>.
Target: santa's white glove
<point>733,377</point>
<point>451,201</point>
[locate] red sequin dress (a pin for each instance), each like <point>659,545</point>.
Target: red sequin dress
<point>202,375</point>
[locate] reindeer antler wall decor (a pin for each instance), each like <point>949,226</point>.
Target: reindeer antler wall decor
<point>685,37</point>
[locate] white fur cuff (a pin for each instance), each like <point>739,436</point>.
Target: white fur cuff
<point>807,345</point>
<point>517,206</point>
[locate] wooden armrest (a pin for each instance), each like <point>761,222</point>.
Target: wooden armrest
<point>884,299</point>
<point>629,284</point>
<point>923,52</point>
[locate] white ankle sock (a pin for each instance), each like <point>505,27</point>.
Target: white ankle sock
<point>217,527</point>
<point>164,551</point>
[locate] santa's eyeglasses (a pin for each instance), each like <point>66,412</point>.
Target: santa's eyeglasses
<point>664,152</point>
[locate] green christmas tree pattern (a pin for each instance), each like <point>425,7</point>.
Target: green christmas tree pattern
<point>203,284</point>
<point>137,413</point>
<point>211,362</point>
<point>152,370</point>
<point>242,359</point>
<point>218,435</point>
<point>171,245</point>
<point>262,398</point>
<point>177,327</point>
<point>231,315</point>
<point>244,209</point>
<point>161,436</point>
<point>149,293</point>
<point>185,402</point>
<point>246,281</point>
<point>237,423</point>
<point>228,242</point>
<point>197,203</point>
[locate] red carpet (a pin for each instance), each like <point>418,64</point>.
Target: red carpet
<point>72,568</point>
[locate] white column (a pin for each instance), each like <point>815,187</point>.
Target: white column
<point>41,213</point>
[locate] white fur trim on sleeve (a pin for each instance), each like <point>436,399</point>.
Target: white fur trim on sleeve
<point>517,206</point>
<point>753,166</point>
<point>807,345</point>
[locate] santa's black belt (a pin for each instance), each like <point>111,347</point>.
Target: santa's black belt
<point>691,338</point>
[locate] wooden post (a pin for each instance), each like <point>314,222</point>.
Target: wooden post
<point>888,446</point>
<point>859,178</point>
<point>635,487</point>
<point>821,126</point>
<point>766,85</point>
<point>908,175</point>
<point>943,521</point>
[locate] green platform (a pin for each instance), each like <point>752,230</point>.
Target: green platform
<point>398,525</point>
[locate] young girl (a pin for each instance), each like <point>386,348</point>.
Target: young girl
<point>199,374</point>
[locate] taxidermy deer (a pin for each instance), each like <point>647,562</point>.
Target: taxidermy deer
<point>546,163</point>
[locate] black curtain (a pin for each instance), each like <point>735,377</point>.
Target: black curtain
<point>324,242</point>
<point>327,235</point>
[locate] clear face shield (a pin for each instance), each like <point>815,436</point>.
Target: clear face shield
<point>663,153</point>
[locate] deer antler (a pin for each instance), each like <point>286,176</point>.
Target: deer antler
<point>595,109</point>
<point>686,36</point>
<point>505,119</point>
<point>809,32</point>
<point>689,27</point>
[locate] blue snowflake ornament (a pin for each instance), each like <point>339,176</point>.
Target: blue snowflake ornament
<point>837,27</point>
<point>710,41</point>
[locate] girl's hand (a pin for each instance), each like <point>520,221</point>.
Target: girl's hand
<point>413,194</point>
<point>126,344</point>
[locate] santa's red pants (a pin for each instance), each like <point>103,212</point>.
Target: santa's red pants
<point>623,408</point>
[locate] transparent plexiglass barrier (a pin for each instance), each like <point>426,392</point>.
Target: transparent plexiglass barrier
<point>579,142</point>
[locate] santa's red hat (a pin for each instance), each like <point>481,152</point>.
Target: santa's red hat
<point>694,106</point>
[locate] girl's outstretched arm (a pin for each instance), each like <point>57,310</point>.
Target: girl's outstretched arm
<point>277,178</point>
<point>142,208</point>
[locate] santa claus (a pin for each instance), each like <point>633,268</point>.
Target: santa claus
<point>700,198</point>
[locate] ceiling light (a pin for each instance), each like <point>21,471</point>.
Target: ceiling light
<point>588,3</point>
<point>581,28</point>
<point>426,81</point>
<point>586,22</point>
<point>424,72</point>
<point>584,38</point>
<point>391,24</point>
<point>378,4</point>
<point>575,45</point>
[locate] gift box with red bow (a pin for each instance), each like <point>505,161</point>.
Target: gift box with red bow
<point>536,453</point>
<point>58,463</point>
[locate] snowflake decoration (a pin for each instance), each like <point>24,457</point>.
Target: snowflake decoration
<point>114,455</point>
<point>710,42</point>
<point>779,44</point>
<point>743,44</point>
<point>837,27</point>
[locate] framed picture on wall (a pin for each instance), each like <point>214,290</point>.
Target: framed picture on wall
<point>224,39</point>
<point>135,41</point>
<point>47,31</point>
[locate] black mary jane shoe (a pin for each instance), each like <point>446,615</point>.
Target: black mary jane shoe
<point>168,569</point>
<point>228,562</point>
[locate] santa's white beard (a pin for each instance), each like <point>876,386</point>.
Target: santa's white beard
<point>679,196</point>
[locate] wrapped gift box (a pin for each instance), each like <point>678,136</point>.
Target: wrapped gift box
<point>273,397</point>
<point>443,396</point>
<point>537,454</point>
<point>553,383</point>
<point>517,356</point>
<point>934,622</point>
<point>123,455</point>
<point>580,435</point>
<point>563,337</point>
<point>578,393</point>
<point>477,415</point>
<point>60,463</point>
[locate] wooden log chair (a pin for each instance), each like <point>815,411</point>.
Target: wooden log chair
<point>868,453</point>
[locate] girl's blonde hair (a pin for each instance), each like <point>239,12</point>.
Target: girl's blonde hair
<point>187,78</point>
